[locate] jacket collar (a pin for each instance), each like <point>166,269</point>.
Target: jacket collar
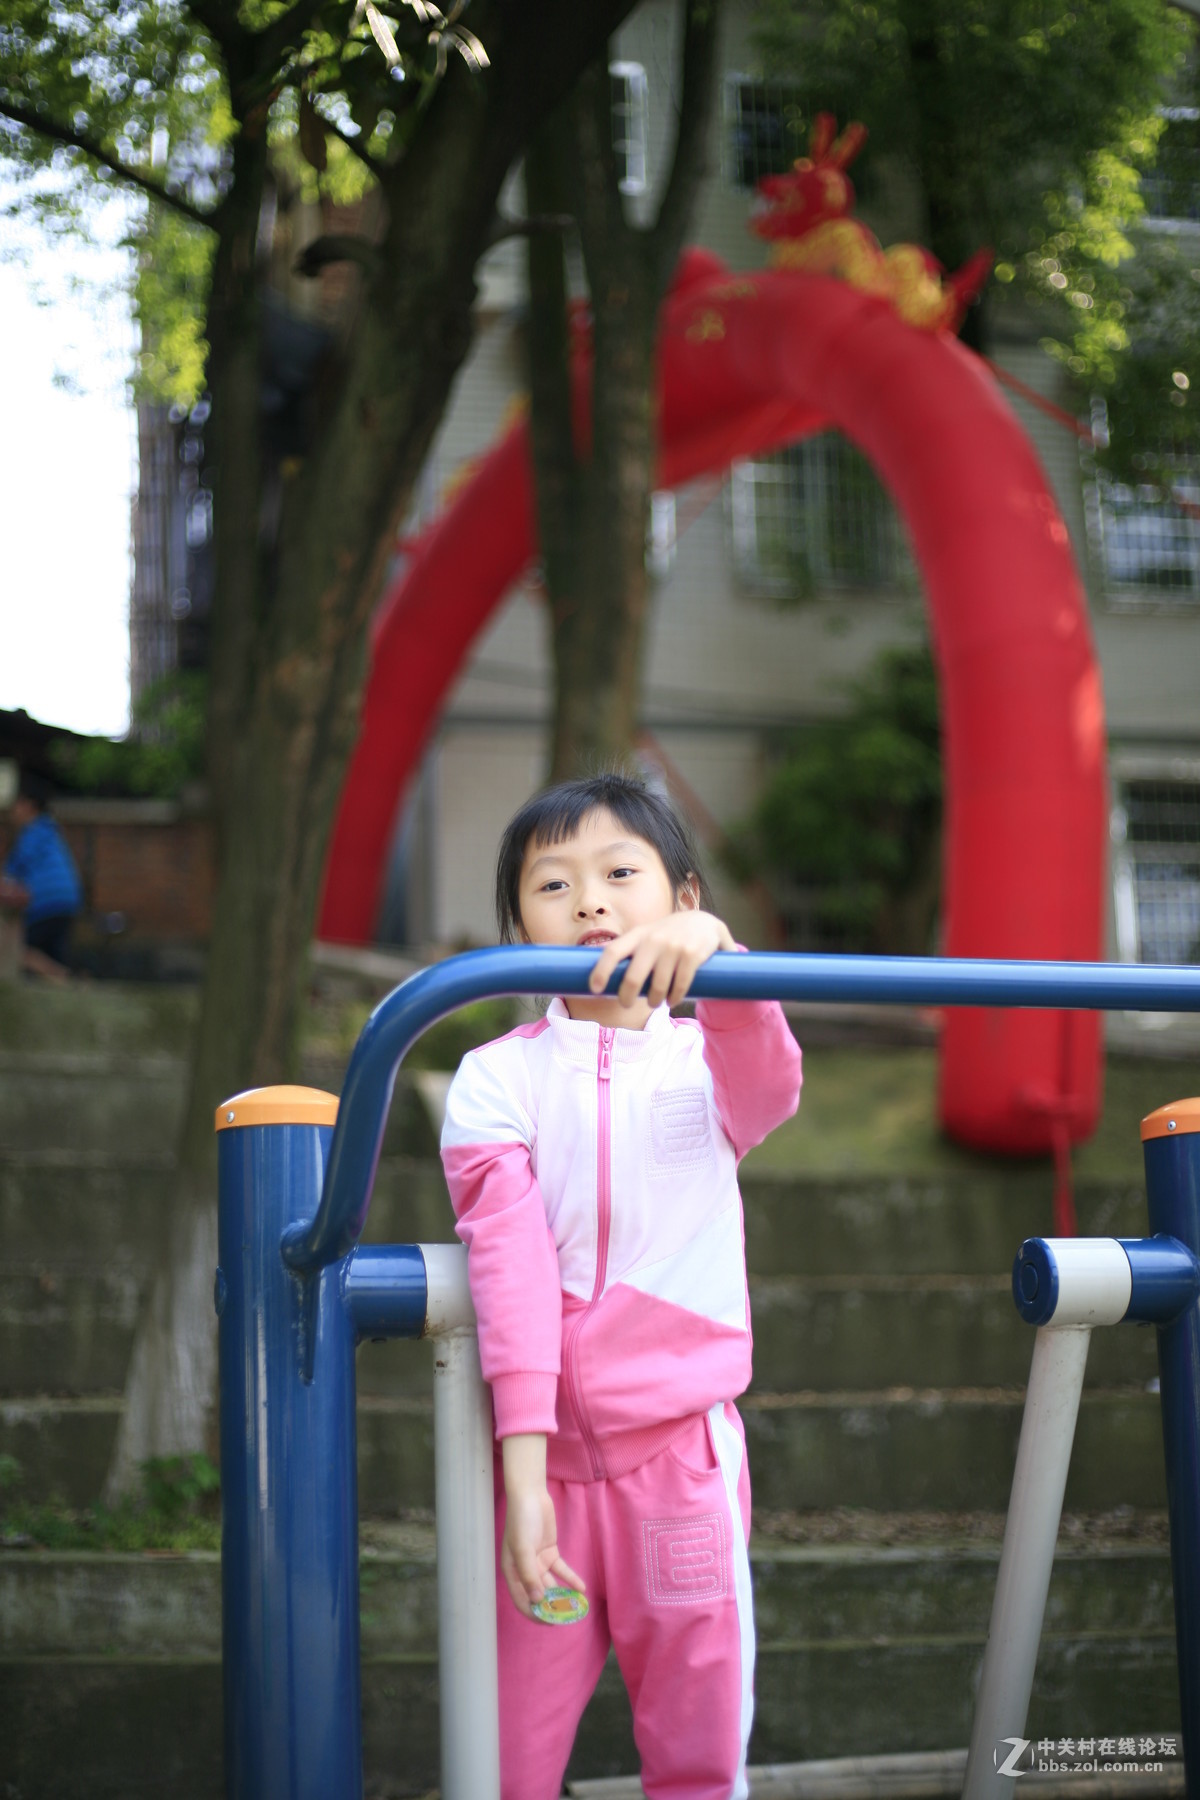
<point>579,1039</point>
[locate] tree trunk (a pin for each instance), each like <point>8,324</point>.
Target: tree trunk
<point>284,768</point>
<point>938,156</point>
<point>594,500</point>
<point>298,570</point>
<point>598,612</point>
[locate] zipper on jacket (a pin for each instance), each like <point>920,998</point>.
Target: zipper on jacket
<point>603,1159</point>
<point>603,1230</point>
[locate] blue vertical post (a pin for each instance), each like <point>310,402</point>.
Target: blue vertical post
<point>1171,1146</point>
<point>289,1488</point>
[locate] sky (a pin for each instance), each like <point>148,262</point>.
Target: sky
<point>68,466</point>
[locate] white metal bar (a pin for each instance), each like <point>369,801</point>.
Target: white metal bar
<point>447,1297</point>
<point>1040,1478</point>
<point>466,1535</point>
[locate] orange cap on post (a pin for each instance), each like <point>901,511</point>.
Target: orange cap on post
<point>1173,1120</point>
<point>278,1106</point>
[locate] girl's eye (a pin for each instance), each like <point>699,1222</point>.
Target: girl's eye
<point>550,887</point>
<point>624,871</point>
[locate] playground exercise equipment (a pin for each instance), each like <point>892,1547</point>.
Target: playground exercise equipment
<point>1067,1287</point>
<point>295,1291</point>
<point>746,364</point>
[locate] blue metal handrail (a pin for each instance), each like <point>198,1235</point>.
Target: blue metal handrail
<point>428,996</point>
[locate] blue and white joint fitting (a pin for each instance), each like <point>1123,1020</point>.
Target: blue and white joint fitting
<point>1067,1282</point>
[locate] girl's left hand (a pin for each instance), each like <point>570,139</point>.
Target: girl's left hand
<point>668,953</point>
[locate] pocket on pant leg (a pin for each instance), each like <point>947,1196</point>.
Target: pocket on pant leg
<point>688,1561</point>
<point>693,1450</point>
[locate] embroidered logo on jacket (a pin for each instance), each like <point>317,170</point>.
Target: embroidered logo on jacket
<point>680,1135</point>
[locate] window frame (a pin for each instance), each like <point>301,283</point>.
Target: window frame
<point>732,112</point>
<point>812,465</point>
<point>1165,222</point>
<point>632,152</point>
<point>1126,771</point>
<point>1104,503</point>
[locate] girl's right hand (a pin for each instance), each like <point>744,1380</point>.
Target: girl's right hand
<point>529,1550</point>
<point>666,953</point>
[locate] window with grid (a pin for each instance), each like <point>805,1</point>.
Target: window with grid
<point>812,517</point>
<point>1156,868</point>
<point>1171,189</point>
<point>1145,539</point>
<point>661,540</point>
<point>627,85</point>
<point>766,128</point>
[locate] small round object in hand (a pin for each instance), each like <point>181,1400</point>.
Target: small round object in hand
<point>560,1606</point>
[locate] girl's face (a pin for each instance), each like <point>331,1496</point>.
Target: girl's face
<point>594,886</point>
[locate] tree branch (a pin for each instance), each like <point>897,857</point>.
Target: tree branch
<point>689,162</point>
<point>63,134</point>
<point>220,21</point>
<point>545,224</point>
<point>335,248</point>
<point>549,334</point>
<point>601,216</point>
<point>282,34</point>
<point>356,145</point>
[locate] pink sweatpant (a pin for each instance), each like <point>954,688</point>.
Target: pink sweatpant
<point>663,1552</point>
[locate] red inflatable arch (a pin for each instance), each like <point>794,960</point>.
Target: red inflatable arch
<point>748,364</point>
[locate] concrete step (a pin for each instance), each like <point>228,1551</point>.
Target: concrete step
<point>153,1725</point>
<point>858,1652</point>
<point>63,1209</point>
<point>88,1603</point>
<point>913,1225</point>
<point>67,1332</point>
<point>941,1448</point>
<point>68,1329</point>
<point>112,1019</point>
<point>894,1449</point>
<point>922,1331</point>
<point>82,1230</point>
<point>828,1226</point>
<point>889,1449</point>
<point>808,1226</point>
<point>916,1775</point>
<point>131,1106</point>
<point>842,1333</point>
<point>66,1206</point>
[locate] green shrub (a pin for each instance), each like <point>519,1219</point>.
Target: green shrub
<point>851,815</point>
<point>163,753</point>
<point>179,1487</point>
<point>178,1509</point>
<point>445,1044</point>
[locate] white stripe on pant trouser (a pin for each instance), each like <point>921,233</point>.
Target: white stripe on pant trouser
<point>730,1452</point>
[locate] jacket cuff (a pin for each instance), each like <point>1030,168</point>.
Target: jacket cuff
<point>525,1402</point>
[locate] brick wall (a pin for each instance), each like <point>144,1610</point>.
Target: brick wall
<point>147,859</point>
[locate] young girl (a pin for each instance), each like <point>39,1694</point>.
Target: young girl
<point>591,1159</point>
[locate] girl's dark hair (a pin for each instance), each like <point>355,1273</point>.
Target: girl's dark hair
<point>557,813</point>
<point>36,789</point>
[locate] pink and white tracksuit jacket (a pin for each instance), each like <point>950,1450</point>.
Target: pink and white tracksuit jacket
<point>593,1175</point>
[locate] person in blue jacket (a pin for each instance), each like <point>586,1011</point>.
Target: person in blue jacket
<point>41,878</point>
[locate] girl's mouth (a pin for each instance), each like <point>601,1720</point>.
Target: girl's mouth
<point>594,938</point>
